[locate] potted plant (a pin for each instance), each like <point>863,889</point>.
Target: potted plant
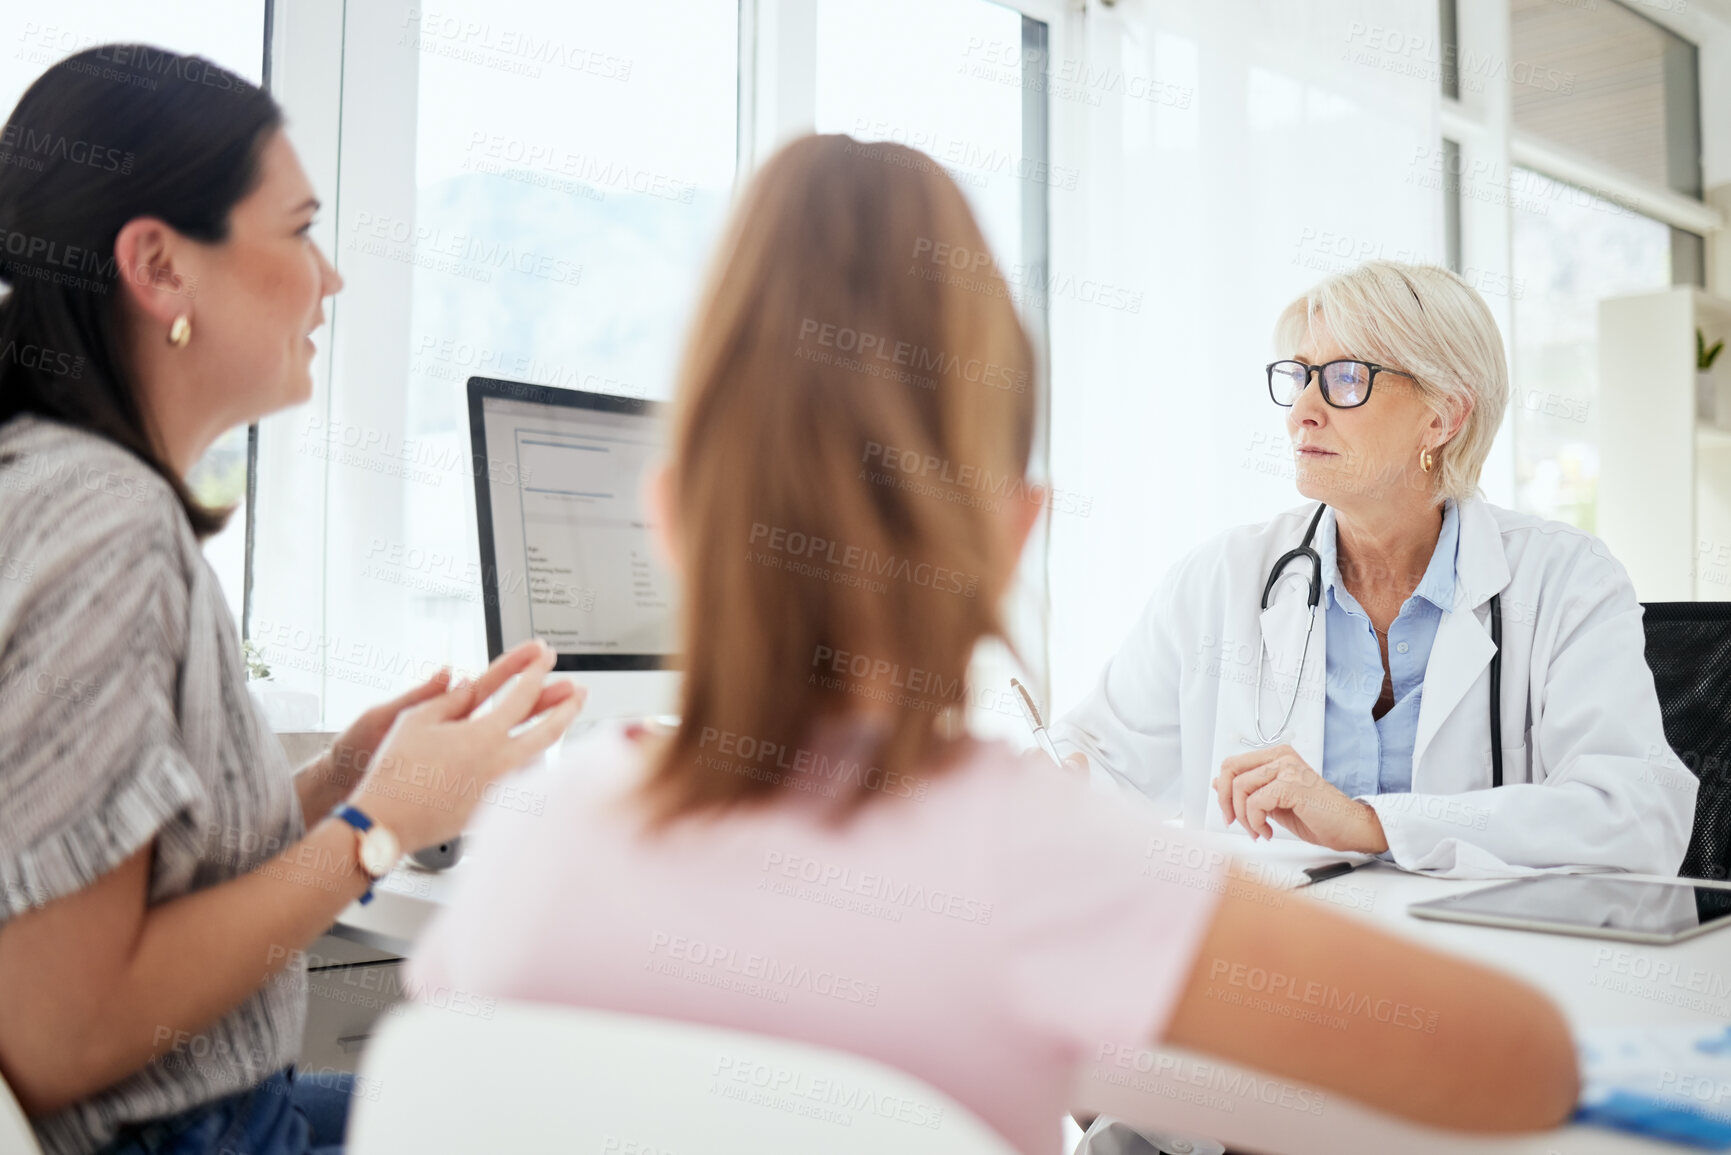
<point>287,711</point>
<point>256,670</point>
<point>1706,385</point>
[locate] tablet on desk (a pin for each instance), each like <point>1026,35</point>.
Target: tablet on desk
<point>1594,905</point>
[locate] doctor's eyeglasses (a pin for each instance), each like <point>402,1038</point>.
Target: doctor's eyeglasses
<point>1345,384</point>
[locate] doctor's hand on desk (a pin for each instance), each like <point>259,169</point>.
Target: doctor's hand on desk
<point>1277,784</point>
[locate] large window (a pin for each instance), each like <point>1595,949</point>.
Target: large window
<point>1606,104</point>
<point>956,92</point>
<point>229,32</point>
<point>1609,84</point>
<point>970,91</point>
<point>529,190</point>
<point>1571,250</point>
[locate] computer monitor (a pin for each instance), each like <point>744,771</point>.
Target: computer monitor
<point>567,553</point>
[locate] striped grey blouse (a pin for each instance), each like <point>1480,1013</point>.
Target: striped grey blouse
<point>125,718</point>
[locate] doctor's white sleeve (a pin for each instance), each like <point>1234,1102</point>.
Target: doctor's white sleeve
<point>1128,725</point>
<point>1614,795</point>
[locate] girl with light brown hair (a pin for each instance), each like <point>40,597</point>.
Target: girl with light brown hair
<point>819,850</point>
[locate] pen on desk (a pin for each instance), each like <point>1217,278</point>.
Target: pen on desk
<point>1329,870</point>
<point>1031,715</point>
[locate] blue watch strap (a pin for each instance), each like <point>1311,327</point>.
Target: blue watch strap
<point>354,817</point>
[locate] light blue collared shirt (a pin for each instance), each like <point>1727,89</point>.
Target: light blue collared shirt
<point>1362,755</point>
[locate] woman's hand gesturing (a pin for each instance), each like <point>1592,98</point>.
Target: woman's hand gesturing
<point>1277,784</point>
<point>325,782</point>
<point>439,756</point>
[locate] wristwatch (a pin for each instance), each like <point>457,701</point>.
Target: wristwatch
<point>379,848</point>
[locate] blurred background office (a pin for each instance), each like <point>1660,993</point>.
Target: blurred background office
<point>529,189</point>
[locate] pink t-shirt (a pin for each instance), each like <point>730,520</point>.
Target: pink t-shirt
<point>985,929</point>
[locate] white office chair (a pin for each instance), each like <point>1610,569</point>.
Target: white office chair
<point>16,1137</point>
<point>537,1078</point>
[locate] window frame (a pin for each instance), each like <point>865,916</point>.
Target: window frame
<point>1480,125</point>
<point>779,102</point>
<point>249,507</point>
<point>290,519</point>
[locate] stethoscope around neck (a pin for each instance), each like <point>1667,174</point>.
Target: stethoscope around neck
<point>1313,598</point>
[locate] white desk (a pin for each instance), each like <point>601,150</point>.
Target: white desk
<point>402,906</point>
<point>1596,982</point>
<point>1593,981</point>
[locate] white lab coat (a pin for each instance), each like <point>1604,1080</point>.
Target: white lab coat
<point>1589,781</point>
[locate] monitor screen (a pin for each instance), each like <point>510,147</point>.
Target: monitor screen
<point>567,553</point>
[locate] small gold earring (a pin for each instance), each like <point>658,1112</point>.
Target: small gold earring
<point>1425,460</point>
<point>180,332</point>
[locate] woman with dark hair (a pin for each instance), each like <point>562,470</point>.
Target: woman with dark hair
<point>161,867</point>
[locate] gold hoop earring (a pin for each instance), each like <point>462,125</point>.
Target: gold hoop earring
<point>1425,460</point>
<point>180,332</point>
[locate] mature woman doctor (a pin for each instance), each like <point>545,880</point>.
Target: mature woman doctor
<point>1366,723</point>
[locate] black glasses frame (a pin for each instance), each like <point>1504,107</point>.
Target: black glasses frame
<point>1322,379</point>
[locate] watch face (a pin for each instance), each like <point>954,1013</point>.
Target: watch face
<point>379,851</point>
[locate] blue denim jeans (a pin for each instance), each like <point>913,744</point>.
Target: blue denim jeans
<point>287,1114</point>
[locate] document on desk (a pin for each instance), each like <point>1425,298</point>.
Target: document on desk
<point>1671,1083</point>
<point>1280,863</point>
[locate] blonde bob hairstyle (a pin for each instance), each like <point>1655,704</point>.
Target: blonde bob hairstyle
<point>1426,321</point>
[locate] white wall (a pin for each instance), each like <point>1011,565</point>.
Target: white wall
<point>1287,141</point>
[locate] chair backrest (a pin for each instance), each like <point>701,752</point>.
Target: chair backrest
<point>16,1136</point>
<point>1689,652</point>
<point>535,1077</point>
